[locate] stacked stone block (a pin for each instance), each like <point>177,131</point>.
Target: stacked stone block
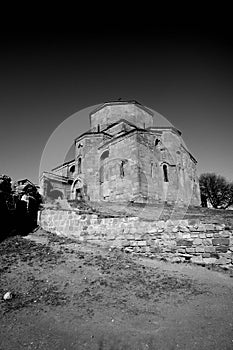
<point>174,240</point>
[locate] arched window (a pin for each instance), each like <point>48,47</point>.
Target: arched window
<point>165,173</point>
<point>122,172</point>
<point>56,194</point>
<point>72,169</point>
<point>79,165</point>
<point>122,167</point>
<point>104,155</point>
<point>151,169</point>
<point>101,173</point>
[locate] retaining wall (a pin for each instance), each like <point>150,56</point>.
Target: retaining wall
<point>175,240</point>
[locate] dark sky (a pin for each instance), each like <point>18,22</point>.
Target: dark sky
<point>184,72</point>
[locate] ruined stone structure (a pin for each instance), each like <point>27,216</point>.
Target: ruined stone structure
<point>126,156</point>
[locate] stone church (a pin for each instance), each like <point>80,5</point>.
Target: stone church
<point>126,156</point>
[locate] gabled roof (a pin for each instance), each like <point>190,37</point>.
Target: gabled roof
<point>64,164</point>
<point>92,133</point>
<point>164,128</point>
<point>25,181</point>
<point>191,156</point>
<point>113,103</point>
<point>121,121</point>
<point>49,175</point>
<point>119,136</point>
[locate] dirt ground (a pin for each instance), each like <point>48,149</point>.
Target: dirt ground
<point>70,296</point>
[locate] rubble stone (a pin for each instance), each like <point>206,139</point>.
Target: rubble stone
<point>139,236</point>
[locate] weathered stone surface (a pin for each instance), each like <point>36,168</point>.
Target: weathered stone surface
<point>210,227</point>
<point>128,250</point>
<point>225,234</point>
<point>123,134</point>
<point>183,229</point>
<point>160,224</point>
<point>181,250</point>
<point>226,267</point>
<point>186,256</point>
<point>228,255</point>
<point>210,249</point>
<point>223,261</point>
<point>132,236</point>
<point>207,242</point>
<point>221,249</point>
<point>175,259</point>
<point>184,242</point>
<point>192,229</point>
<point>154,249</point>
<point>217,235</point>
<point>209,261</point>
<point>125,244</point>
<point>220,241</point>
<point>197,260</point>
<point>193,222</point>
<point>138,237</point>
<point>206,255</point>
<point>220,227</point>
<point>186,235</point>
<point>200,249</point>
<point>141,243</point>
<point>197,241</point>
<point>190,250</point>
<point>201,228</point>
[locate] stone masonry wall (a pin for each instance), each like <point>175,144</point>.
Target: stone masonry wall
<point>110,114</point>
<point>173,240</point>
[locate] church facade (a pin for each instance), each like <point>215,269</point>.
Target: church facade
<point>126,156</point>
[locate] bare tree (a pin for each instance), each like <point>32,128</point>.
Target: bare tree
<point>217,190</point>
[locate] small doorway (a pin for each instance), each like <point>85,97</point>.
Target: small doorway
<point>77,190</point>
<point>79,194</point>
